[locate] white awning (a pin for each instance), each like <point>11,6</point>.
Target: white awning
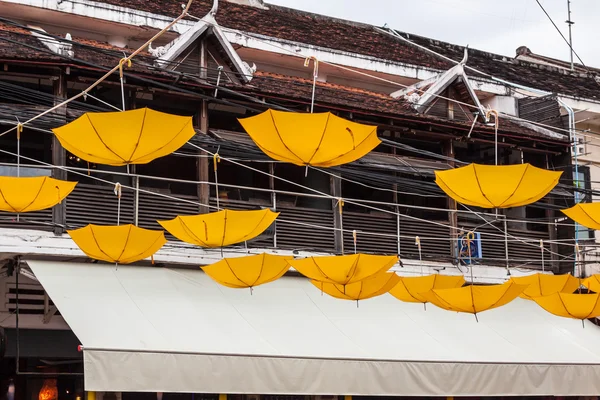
<point>154,329</point>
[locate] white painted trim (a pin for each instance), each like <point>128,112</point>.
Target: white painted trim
<point>39,243</point>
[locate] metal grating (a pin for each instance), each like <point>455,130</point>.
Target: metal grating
<point>39,220</point>
<point>295,235</point>
<point>31,298</point>
<point>96,204</point>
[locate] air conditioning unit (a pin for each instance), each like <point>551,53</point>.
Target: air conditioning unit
<point>468,248</point>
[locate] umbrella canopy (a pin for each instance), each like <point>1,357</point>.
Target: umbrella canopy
<point>125,137</point>
<point>474,299</point>
<point>497,186</point>
<point>543,285</point>
<point>25,194</point>
<point>221,228</point>
<point>248,272</point>
<point>321,140</point>
<point>586,214</point>
<point>576,306</point>
<point>592,283</point>
<point>123,244</point>
<point>409,289</point>
<point>371,287</point>
<point>343,270</point>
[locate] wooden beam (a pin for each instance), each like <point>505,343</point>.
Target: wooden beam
<point>448,151</point>
<point>336,191</point>
<point>59,155</point>
<point>203,164</point>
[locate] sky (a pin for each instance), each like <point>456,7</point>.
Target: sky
<point>497,26</point>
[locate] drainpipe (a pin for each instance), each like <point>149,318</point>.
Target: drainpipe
<point>573,139</point>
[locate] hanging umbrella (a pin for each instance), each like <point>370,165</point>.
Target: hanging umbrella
<point>543,285</point>
<point>125,137</point>
<point>410,289</point>
<point>343,270</point>
<point>474,299</point>
<point>586,214</point>
<point>25,194</point>
<point>123,244</point>
<point>371,287</point>
<point>592,283</point>
<point>576,306</point>
<point>320,140</point>
<point>248,272</point>
<point>497,186</point>
<point>221,228</point>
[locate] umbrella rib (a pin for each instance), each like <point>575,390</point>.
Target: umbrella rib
<point>281,139</point>
<point>360,144</point>
<point>593,308</point>
<point>262,265</point>
<point>102,141</point>
<point>224,227</point>
<point>500,298</point>
<point>456,196</point>
<point>352,270</point>
<point>169,142</point>
<point>472,296</point>
<point>4,198</point>
<point>191,233</point>
<point>36,196</point>
<point>517,187</point>
<point>320,270</point>
<point>126,242</point>
<point>565,306</point>
<point>320,141</point>
<point>234,274</point>
<point>480,188</point>
<point>586,213</point>
<point>142,253</point>
<point>139,136</point>
<point>250,235</point>
<point>98,245</point>
<point>408,291</point>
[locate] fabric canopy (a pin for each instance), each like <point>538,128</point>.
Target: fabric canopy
<point>592,283</point>
<point>586,214</point>
<point>321,140</point>
<point>343,270</point>
<point>544,285</point>
<point>410,289</point>
<point>366,289</point>
<point>222,228</point>
<point>576,306</point>
<point>249,271</point>
<point>26,194</point>
<point>156,329</point>
<point>125,137</point>
<point>474,299</point>
<point>497,186</point>
<point>122,244</point>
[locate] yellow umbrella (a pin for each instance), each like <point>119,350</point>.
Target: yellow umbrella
<point>123,244</point>
<point>576,306</point>
<point>248,272</point>
<point>221,228</point>
<point>343,270</point>
<point>125,137</point>
<point>586,214</point>
<point>592,283</point>
<point>474,299</point>
<point>25,194</point>
<point>321,140</point>
<point>497,186</point>
<point>543,285</point>
<point>365,289</point>
<point>410,289</point>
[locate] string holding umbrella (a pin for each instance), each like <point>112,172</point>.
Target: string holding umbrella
<point>354,239</point>
<point>216,160</point>
<point>19,131</point>
<point>418,244</point>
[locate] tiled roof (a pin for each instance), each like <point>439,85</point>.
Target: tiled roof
<point>266,84</point>
<point>299,26</point>
<point>363,101</point>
